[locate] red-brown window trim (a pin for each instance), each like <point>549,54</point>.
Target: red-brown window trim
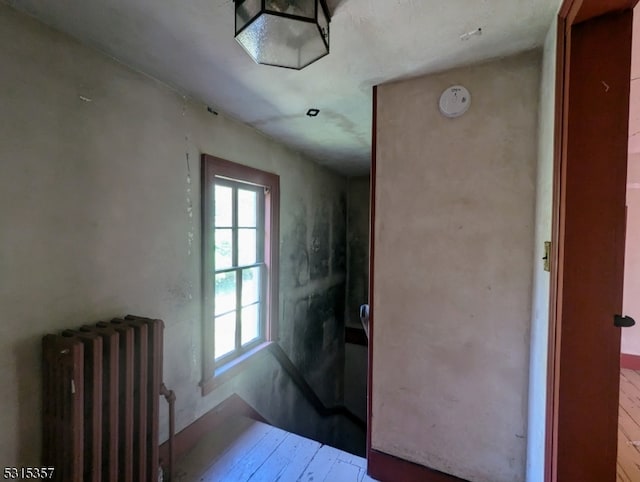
<point>213,167</point>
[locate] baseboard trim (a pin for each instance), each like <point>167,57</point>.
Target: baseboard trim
<point>388,468</point>
<point>629,361</point>
<point>186,439</point>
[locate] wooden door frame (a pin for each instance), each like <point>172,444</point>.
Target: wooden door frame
<point>572,12</point>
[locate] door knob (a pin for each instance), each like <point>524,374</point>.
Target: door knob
<point>623,321</point>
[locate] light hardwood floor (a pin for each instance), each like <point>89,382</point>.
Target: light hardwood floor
<point>243,450</point>
<point>629,427</point>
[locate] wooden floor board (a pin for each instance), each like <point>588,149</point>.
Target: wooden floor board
<point>366,478</point>
<point>210,448</point>
<point>353,459</point>
<point>245,442</point>
<point>252,460</point>
<point>288,461</point>
<point>342,471</point>
<point>249,451</point>
<point>629,427</point>
<point>626,456</point>
<point>633,376</point>
<point>320,465</point>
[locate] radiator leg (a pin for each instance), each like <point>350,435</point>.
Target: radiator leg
<point>170,397</point>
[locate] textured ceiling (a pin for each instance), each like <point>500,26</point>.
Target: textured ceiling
<point>189,44</point>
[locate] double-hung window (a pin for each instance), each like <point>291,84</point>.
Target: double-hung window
<point>240,253</point>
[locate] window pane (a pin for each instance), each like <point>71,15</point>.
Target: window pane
<point>250,323</point>
<point>224,206</point>
<point>225,291</point>
<point>225,334</point>
<point>247,207</point>
<point>247,247</point>
<point>224,249</point>
<point>250,286</point>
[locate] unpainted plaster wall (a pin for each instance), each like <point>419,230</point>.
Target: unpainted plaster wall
<point>454,247</point>
<point>631,300</point>
<point>99,217</point>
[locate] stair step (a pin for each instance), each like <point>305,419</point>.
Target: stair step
<point>244,450</point>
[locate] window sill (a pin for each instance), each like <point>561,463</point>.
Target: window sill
<point>233,368</point>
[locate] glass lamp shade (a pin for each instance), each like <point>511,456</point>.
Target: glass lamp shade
<point>283,33</point>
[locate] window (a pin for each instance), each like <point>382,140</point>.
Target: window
<point>240,259</point>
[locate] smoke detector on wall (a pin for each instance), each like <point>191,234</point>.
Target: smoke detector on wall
<point>455,101</point>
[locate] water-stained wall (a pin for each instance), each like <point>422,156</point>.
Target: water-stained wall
<point>313,288</point>
<point>358,248</point>
<point>99,217</point>
<point>355,365</point>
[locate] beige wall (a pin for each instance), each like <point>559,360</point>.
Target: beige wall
<point>95,222</point>
<point>453,267</point>
<point>631,301</point>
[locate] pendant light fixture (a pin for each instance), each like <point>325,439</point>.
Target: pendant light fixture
<point>283,33</point>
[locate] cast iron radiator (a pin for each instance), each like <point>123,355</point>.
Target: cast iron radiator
<point>101,389</point>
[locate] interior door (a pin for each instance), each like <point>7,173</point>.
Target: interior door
<point>591,235</point>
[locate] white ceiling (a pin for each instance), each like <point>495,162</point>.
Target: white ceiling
<point>189,44</point>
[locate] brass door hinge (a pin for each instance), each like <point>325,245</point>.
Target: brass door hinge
<point>547,256</point>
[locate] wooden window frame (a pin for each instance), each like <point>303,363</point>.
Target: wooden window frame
<point>212,169</point>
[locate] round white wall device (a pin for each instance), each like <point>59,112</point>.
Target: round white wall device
<point>455,101</point>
